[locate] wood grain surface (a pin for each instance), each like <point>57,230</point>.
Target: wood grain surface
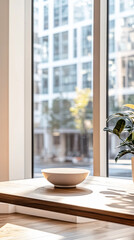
<point>99,198</point>
<point>23,227</point>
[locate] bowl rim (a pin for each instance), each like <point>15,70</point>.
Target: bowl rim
<point>50,171</point>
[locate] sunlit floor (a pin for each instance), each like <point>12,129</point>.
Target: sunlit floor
<point>18,227</point>
<point>122,169</point>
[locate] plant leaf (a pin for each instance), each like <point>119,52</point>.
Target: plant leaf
<point>130,138</point>
<point>126,116</point>
<point>108,130</point>
<point>113,116</point>
<point>122,153</point>
<point>129,106</point>
<point>121,114</point>
<point>128,128</point>
<point>119,127</point>
<point>124,113</point>
<point>125,144</point>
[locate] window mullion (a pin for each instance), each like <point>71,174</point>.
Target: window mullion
<point>99,86</point>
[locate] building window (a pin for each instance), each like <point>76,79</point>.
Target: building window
<point>86,40</point>
<point>56,80</point>
<point>36,38</point>
<point>65,78</point>
<point>44,48</point>
<point>69,78</point>
<point>87,75</point>
<point>60,46</point>
<point>75,43</point>
<point>45,81</point>
<point>112,7</point>
<point>126,34</point>
<point>60,12</point>
<point>37,87</point>
<point>82,10</point>
<point>127,71</point>
<point>122,6</point>
<point>45,17</point>
<point>36,106</point>
<point>130,71</point>
<point>36,67</point>
<point>112,73</point>
<point>45,107</point>
<point>126,5</point>
<point>111,36</point>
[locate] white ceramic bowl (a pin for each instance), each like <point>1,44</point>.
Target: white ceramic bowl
<point>65,177</point>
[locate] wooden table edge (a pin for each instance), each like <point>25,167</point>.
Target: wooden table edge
<point>97,214</point>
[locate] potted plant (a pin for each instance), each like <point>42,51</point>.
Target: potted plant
<point>124,130</point>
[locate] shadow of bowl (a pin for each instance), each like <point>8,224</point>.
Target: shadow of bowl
<point>62,192</point>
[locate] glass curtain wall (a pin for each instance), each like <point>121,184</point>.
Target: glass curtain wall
<point>63,84</point>
<point>120,74</point>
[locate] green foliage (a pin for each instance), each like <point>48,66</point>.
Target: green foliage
<point>122,153</point>
<point>80,110</point>
<point>119,127</point>
<point>123,122</point>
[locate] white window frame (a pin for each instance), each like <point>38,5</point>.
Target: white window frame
<point>99,87</point>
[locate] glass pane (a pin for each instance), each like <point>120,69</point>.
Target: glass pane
<point>63,84</point>
<point>45,17</point>
<point>121,75</point>
<point>82,10</point>
<point>60,13</point>
<point>86,40</point>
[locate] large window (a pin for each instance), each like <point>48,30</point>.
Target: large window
<point>65,78</point>
<point>63,94</point>
<point>111,36</point>
<point>86,40</point>
<point>60,12</point>
<point>60,43</point>
<point>121,74</point>
<point>87,75</point>
<point>44,80</point>
<point>75,43</point>
<point>44,48</point>
<point>46,17</point>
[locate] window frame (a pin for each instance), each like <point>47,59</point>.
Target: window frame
<point>100,39</point>
<point>100,87</point>
<point>26,102</point>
